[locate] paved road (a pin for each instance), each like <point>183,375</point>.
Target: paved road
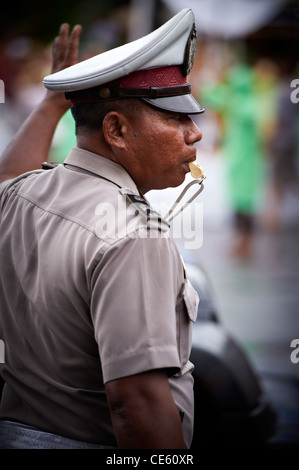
<point>258,302</point>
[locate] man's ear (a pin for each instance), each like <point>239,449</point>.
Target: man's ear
<point>115,129</point>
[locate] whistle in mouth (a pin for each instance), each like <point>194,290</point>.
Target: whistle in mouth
<point>196,170</point>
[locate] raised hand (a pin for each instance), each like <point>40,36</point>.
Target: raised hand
<point>31,145</point>
<point>64,54</point>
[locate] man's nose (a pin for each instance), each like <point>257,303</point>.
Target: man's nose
<point>193,133</point>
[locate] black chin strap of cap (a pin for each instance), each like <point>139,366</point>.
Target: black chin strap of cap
<point>106,93</point>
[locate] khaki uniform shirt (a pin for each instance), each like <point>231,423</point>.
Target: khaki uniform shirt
<point>92,289</point>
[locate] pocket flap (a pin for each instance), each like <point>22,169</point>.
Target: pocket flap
<point>191,300</point>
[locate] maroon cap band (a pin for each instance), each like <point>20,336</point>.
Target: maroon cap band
<point>157,77</point>
<point>163,87</point>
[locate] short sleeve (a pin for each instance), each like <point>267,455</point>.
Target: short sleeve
<point>134,291</point>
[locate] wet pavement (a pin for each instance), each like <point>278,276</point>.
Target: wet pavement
<point>258,302</point>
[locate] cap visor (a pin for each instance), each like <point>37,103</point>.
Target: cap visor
<point>184,104</point>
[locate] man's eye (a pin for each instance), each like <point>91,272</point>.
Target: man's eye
<point>177,117</point>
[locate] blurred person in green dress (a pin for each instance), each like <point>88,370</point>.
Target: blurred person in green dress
<point>242,109</point>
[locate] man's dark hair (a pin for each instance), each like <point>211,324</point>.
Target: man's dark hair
<point>90,116</point>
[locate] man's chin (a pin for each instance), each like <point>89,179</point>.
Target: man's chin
<point>171,181</point>
<point>176,181</point>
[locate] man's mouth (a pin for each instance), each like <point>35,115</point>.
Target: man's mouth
<point>186,163</point>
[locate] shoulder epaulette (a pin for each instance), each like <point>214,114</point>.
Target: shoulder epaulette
<point>143,208</point>
<point>49,165</point>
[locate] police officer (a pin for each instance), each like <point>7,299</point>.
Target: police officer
<point>96,310</point>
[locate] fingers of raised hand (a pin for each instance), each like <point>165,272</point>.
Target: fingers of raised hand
<point>66,47</point>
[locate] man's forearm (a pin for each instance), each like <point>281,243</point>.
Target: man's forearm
<point>151,428</point>
<point>144,415</point>
<point>30,146</point>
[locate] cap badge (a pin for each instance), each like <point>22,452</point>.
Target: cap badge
<point>190,52</point>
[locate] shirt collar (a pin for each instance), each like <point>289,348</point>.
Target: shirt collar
<point>101,166</point>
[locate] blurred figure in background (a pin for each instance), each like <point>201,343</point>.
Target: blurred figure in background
<point>237,100</point>
<point>283,146</point>
<point>23,64</point>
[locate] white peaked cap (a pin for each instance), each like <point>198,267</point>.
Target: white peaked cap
<point>153,68</point>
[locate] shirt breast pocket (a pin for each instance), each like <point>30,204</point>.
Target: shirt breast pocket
<point>191,301</point>
<point>188,306</point>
